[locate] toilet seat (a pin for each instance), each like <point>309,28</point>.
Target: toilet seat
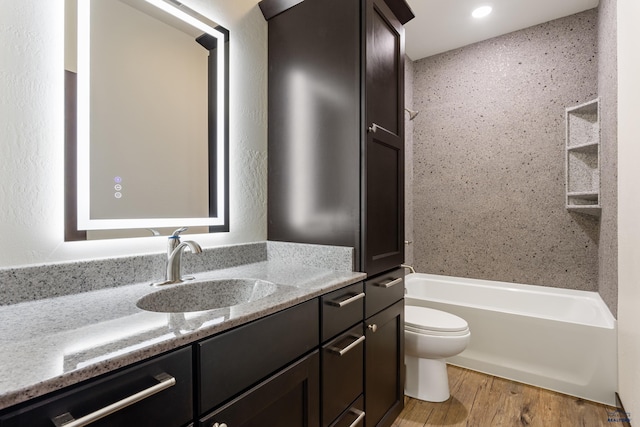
<point>427,321</point>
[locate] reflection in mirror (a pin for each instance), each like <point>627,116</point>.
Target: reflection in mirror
<point>152,125</point>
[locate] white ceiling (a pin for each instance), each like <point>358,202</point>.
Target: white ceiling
<point>442,25</point>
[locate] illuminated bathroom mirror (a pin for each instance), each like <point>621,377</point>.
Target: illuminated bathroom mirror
<point>150,134</point>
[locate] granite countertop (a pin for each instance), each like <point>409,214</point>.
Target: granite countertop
<point>51,343</point>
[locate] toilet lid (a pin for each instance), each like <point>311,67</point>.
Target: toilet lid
<point>428,319</point>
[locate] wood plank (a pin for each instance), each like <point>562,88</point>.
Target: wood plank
<point>482,400</point>
<point>485,408</point>
<point>464,390</point>
<point>416,413</point>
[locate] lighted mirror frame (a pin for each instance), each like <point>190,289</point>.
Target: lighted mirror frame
<point>218,221</point>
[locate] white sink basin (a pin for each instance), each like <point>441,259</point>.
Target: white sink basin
<point>206,295</point>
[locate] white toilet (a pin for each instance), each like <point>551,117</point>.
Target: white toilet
<point>430,337</point>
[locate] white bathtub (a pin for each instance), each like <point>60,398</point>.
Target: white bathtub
<point>559,339</point>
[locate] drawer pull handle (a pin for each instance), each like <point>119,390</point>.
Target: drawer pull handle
<point>343,351</point>
<point>360,415</point>
<point>347,301</point>
<point>373,327</point>
<point>375,128</point>
<point>67,420</point>
<point>219,425</point>
<point>390,283</point>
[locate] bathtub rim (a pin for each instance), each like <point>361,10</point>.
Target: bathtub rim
<point>610,322</point>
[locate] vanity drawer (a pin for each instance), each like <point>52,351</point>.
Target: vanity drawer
<point>352,417</point>
<point>342,373</point>
<point>342,309</point>
<point>166,379</point>
<point>383,290</point>
<point>235,360</point>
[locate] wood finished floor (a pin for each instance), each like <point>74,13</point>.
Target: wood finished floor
<point>479,400</point>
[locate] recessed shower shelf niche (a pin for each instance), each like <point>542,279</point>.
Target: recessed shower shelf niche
<point>583,158</point>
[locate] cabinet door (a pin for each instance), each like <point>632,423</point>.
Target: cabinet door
<point>315,123</point>
<point>290,398</point>
<point>384,366</point>
<point>383,241</point>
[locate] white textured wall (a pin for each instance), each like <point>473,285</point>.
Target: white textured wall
<point>31,141</point>
<point>629,207</point>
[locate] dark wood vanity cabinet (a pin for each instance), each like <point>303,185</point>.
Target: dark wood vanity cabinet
<point>300,367</point>
<point>369,391</point>
<point>336,127</point>
<point>336,158</point>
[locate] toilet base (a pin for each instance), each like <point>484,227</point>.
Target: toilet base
<point>427,379</point>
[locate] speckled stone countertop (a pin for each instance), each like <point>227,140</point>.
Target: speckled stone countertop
<point>47,344</point>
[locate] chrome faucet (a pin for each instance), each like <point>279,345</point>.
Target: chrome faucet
<point>411,269</point>
<point>175,248</point>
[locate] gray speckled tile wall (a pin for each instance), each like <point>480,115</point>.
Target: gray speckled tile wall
<point>489,157</point>
<point>608,92</point>
<point>408,161</point>
<point>51,280</point>
<point>332,257</point>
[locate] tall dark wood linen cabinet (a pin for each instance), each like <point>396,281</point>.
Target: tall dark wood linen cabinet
<point>336,158</point>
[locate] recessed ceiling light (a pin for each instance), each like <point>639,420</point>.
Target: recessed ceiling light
<point>481,12</point>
